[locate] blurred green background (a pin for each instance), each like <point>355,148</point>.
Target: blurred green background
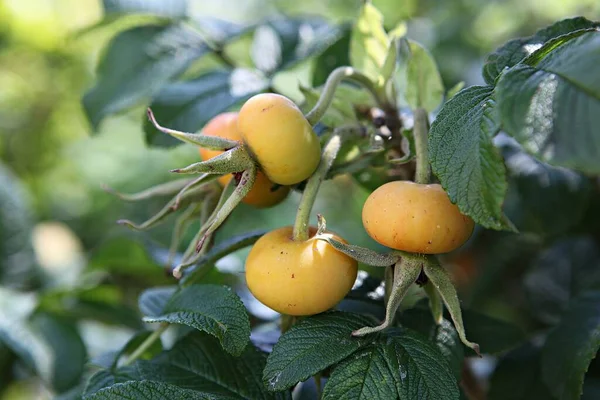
<point>54,216</point>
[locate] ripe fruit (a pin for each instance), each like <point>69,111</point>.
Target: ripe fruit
<point>417,218</point>
<point>298,278</point>
<point>262,194</point>
<point>280,138</point>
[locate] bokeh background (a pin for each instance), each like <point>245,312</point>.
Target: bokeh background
<point>57,225</point>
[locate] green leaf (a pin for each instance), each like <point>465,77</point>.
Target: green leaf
<point>149,390</point>
<point>537,190</point>
<point>552,105</point>
<point>63,351</point>
<point>214,309</point>
<point>518,376</point>
<point>571,346</point>
<point>562,272</point>
<point>106,378</point>
<point>103,303</point>
<point>132,344</point>
<point>369,43</point>
<point>516,50</point>
<point>336,55</point>
<point>401,365</point>
<point>171,9</point>
<point>444,335</point>
<point>282,43</point>
<point>220,250</point>
<point>464,158</point>
<point>311,346</point>
<point>422,85</point>
<point>128,257</point>
<point>188,105</point>
<point>198,362</point>
<point>17,260</point>
<point>137,63</point>
<point>341,112</point>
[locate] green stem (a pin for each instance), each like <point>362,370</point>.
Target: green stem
<point>145,345</point>
<point>420,131</point>
<point>312,188</point>
<point>334,79</point>
<point>318,385</point>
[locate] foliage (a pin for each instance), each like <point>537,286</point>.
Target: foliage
<point>518,154</point>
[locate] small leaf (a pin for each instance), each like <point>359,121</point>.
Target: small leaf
<point>551,104</point>
<point>220,250</point>
<point>281,43</point>
<point>423,85</point>
<point>571,346</point>
<point>362,254</point>
<point>172,8</point>
<point>537,190</point>
<point>198,362</point>
<point>311,346</point>
<point>464,158</point>
<point>400,365</point>
<point>188,105</point>
<point>562,272</point>
<point>516,50</point>
<point>137,63</point>
<point>149,390</point>
<point>214,309</point>
<point>369,43</point>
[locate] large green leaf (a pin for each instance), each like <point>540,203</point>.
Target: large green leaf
<point>369,42</point>
<point>281,43</point>
<point>214,309</point>
<point>17,261</point>
<point>150,390</point>
<point>311,346</point>
<point>516,50</point>
<point>537,190</point>
<point>400,365</point>
<point>464,158</point>
<point>551,102</point>
<point>422,86</point>
<point>108,377</point>
<point>198,362</point>
<point>171,8</point>
<point>562,272</point>
<point>137,63</point>
<point>188,105</point>
<point>571,346</point>
<point>518,376</point>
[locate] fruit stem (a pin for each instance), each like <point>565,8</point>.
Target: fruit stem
<point>421,131</point>
<point>334,79</point>
<point>312,188</point>
<point>145,345</point>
